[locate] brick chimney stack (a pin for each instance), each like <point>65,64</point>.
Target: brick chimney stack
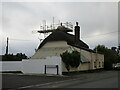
<point>77,33</point>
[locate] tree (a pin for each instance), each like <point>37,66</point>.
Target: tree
<point>11,57</point>
<point>110,56</point>
<point>71,59</point>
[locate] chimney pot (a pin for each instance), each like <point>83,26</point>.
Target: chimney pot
<point>77,33</point>
<point>76,23</point>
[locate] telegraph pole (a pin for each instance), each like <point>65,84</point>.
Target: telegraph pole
<point>119,49</point>
<point>7,47</point>
<point>96,57</point>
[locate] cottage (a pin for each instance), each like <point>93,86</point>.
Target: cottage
<point>60,41</point>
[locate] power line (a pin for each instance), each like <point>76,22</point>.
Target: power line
<point>81,37</point>
<point>19,39</point>
<point>99,34</point>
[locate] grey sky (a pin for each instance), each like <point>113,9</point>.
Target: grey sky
<point>19,19</point>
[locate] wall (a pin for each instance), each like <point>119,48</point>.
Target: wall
<point>100,61</point>
<point>37,66</point>
<point>81,67</point>
<point>51,49</point>
<point>90,56</point>
<point>55,48</point>
<point>95,60</point>
<point>10,66</point>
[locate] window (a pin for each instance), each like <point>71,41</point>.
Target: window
<point>99,64</point>
<point>94,64</point>
<point>102,64</point>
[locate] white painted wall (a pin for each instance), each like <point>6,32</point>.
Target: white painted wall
<point>53,48</point>
<point>37,66</point>
<point>10,66</point>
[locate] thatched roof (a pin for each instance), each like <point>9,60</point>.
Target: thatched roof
<point>62,35</point>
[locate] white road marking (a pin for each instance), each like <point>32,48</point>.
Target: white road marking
<point>39,85</point>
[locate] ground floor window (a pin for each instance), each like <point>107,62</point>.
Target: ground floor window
<point>99,64</point>
<point>94,64</point>
<point>102,64</point>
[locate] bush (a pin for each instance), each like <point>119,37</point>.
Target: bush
<point>110,56</point>
<point>71,59</point>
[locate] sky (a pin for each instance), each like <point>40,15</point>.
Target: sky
<point>98,22</point>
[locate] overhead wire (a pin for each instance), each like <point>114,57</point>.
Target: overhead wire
<point>19,39</point>
<point>81,37</point>
<point>100,34</point>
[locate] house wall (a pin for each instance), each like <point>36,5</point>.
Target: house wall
<point>51,49</point>
<point>81,67</point>
<point>100,61</point>
<point>96,61</point>
<point>90,56</point>
<point>84,66</point>
<point>55,48</point>
<point>93,60</point>
<point>37,66</point>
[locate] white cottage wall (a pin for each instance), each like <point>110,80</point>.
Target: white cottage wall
<point>96,61</point>
<point>100,61</point>
<point>53,48</point>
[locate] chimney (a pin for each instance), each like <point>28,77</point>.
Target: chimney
<point>77,32</point>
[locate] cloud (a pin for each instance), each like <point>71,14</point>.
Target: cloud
<point>19,19</point>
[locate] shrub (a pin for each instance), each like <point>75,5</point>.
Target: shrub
<point>71,59</point>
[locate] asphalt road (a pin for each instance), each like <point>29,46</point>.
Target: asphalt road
<point>105,79</point>
<point>14,81</point>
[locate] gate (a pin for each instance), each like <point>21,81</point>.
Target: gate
<point>51,68</point>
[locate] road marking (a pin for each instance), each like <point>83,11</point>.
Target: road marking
<point>39,85</point>
<point>54,86</point>
<point>58,82</point>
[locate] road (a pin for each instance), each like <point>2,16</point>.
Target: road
<point>96,82</point>
<point>105,79</point>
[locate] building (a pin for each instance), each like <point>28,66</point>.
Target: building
<point>60,40</point>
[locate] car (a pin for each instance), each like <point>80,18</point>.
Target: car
<point>117,66</point>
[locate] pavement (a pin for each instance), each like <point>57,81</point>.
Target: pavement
<point>105,79</point>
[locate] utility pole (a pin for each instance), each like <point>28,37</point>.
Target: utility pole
<point>7,47</point>
<point>119,49</point>
<point>96,57</point>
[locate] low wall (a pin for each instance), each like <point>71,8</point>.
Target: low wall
<point>37,66</point>
<point>10,66</point>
